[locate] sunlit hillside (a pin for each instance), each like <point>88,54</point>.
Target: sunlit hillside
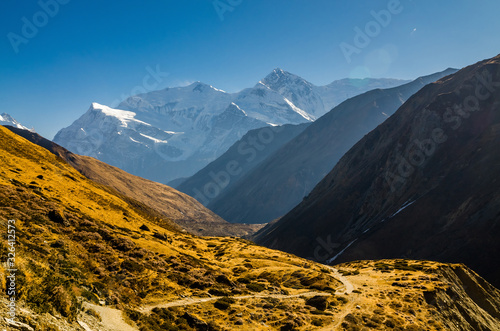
<point>96,260</point>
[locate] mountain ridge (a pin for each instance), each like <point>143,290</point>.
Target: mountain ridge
<point>177,131</point>
<point>280,182</point>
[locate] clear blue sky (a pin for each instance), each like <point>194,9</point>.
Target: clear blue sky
<point>99,50</point>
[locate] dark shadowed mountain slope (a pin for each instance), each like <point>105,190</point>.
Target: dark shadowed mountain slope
<point>424,184</point>
<point>180,208</point>
<point>222,174</point>
<point>280,182</point>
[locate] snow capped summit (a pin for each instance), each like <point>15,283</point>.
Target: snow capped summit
<point>174,132</point>
<point>6,119</point>
<point>296,90</point>
<point>279,78</point>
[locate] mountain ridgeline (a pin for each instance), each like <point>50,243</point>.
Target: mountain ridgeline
<point>246,154</point>
<point>424,184</point>
<point>280,181</point>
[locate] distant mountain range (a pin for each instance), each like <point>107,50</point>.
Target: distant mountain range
<point>173,133</point>
<point>286,172</point>
<point>423,185</point>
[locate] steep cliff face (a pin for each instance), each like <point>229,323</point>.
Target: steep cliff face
<point>468,301</point>
<point>424,184</point>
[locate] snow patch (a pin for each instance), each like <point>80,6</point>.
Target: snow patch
<point>124,116</point>
<point>158,141</point>
<point>218,90</point>
<point>340,253</point>
<point>405,205</point>
<point>299,111</point>
<point>134,140</point>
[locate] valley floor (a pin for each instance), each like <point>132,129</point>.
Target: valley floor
<point>383,295</point>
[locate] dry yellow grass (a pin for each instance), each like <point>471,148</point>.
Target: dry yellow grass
<point>78,239</point>
<point>182,209</point>
<point>103,246</point>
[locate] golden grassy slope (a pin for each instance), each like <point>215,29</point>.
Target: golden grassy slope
<point>177,206</point>
<point>76,238</point>
<point>416,295</point>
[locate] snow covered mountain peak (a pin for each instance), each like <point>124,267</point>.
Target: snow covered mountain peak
<point>202,87</point>
<point>174,132</point>
<point>6,119</point>
<point>280,78</point>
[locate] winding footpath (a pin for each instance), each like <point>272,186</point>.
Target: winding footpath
<point>349,287</point>
<point>112,318</point>
<point>194,301</point>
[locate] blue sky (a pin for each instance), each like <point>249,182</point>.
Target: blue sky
<point>100,51</point>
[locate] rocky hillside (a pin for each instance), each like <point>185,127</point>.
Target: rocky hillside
<point>424,184</point>
<point>78,240</point>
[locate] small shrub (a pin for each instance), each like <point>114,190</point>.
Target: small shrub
<point>122,244</point>
<point>93,313</point>
<point>56,216</point>
<point>90,296</point>
<point>256,287</point>
<point>317,322</point>
<point>318,302</point>
<point>132,265</point>
<point>223,303</point>
<point>244,280</point>
<point>219,292</point>
<point>222,279</point>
